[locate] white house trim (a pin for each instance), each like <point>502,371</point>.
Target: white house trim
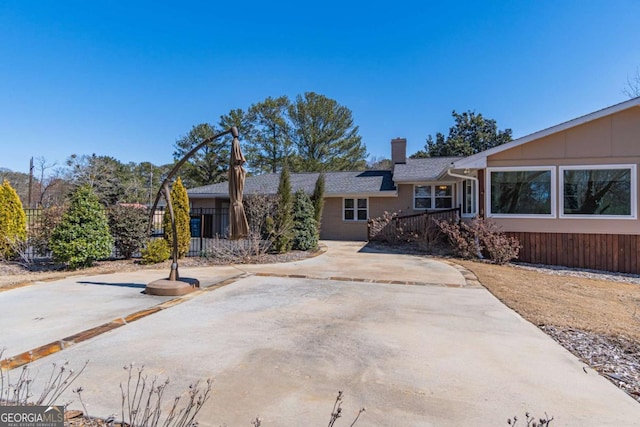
<point>479,160</point>
<point>552,190</point>
<point>633,189</point>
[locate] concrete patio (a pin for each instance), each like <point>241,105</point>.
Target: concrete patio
<point>431,349</point>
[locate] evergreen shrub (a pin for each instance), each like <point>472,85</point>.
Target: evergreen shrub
<point>156,250</point>
<point>305,227</point>
<point>128,224</point>
<point>318,199</point>
<point>180,203</point>
<point>283,221</point>
<point>83,235</point>
<point>13,221</point>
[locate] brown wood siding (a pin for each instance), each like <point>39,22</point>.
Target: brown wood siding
<point>610,252</point>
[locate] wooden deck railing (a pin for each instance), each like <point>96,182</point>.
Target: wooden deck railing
<point>408,224</point>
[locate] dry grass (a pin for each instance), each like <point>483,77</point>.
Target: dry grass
<point>599,306</point>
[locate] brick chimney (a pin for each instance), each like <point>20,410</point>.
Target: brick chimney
<point>398,151</point>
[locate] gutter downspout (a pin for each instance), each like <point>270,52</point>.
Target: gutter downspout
<point>477,186</point>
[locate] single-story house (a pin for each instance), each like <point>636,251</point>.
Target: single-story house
<point>351,198</point>
<point>569,192</point>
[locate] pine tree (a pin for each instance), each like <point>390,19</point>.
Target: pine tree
<point>324,135</point>
<point>318,200</point>
<point>305,227</point>
<point>13,221</point>
<point>180,203</point>
<point>83,235</point>
<point>283,222</point>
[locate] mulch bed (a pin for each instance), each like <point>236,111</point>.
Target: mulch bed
<point>615,358</point>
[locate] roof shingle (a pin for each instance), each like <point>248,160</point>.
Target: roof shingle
<point>428,169</point>
<point>335,183</point>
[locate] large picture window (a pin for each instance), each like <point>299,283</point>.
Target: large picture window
<point>437,196</point>
<point>355,209</point>
<point>598,191</point>
<point>522,192</point>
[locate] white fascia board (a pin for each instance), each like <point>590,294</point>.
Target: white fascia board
<point>479,160</point>
<point>469,163</point>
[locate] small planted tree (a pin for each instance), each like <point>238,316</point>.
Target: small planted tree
<point>128,224</point>
<point>318,199</point>
<point>180,203</point>
<point>283,221</point>
<point>83,235</point>
<point>305,227</point>
<point>13,221</point>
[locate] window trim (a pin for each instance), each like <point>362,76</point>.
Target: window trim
<point>432,195</point>
<point>633,188</point>
<point>354,209</point>
<point>553,192</point>
<point>474,202</point>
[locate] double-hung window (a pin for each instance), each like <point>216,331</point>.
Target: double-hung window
<point>422,197</point>
<point>433,196</point>
<point>521,192</point>
<point>598,191</point>
<point>355,209</point>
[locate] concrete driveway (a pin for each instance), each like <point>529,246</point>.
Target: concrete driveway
<point>433,349</point>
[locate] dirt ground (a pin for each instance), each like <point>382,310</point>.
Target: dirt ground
<point>599,306</point>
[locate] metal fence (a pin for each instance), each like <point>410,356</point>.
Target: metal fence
<point>206,225</point>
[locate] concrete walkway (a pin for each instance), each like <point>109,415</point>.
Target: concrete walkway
<point>432,349</point>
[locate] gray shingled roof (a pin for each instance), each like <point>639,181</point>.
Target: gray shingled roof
<point>422,169</point>
<point>335,183</point>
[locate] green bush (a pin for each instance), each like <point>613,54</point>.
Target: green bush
<point>283,221</point>
<point>156,250</point>
<point>305,227</point>
<point>318,199</point>
<point>82,236</point>
<point>13,221</point>
<point>128,224</point>
<point>180,203</point>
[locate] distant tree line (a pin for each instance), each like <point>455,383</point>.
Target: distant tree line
<point>111,180</point>
<point>312,133</point>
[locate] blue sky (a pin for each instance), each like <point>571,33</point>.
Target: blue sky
<point>126,79</point>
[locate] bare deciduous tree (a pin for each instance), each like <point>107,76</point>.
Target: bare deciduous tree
<point>632,90</point>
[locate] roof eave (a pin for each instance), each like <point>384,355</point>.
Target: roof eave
<point>479,160</point>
